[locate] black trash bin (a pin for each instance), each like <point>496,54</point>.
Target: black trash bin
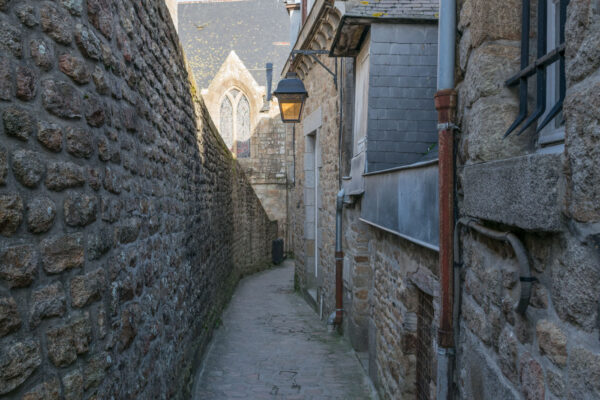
<point>277,251</point>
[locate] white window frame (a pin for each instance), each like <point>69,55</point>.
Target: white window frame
<point>361,98</point>
<point>552,136</point>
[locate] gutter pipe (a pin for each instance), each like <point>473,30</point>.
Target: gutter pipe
<point>337,317</point>
<point>339,260</point>
<point>446,44</point>
<point>445,104</point>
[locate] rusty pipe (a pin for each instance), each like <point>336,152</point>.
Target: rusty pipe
<point>445,104</point>
<point>339,260</point>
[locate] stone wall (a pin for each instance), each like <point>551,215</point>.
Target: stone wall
<point>172,5</point>
<point>400,270</point>
<point>550,201</point>
<point>124,221</point>
<point>266,166</point>
<point>383,275</point>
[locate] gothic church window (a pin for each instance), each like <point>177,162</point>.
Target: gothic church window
<point>226,124</point>
<point>235,122</point>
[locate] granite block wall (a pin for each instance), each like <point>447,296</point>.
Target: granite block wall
<point>124,221</point>
<point>550,202</point>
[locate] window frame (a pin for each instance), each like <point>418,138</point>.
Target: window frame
<point>549,70</point>
<point>361,114</point>
<point>235,101</point>
<point>554,132</point>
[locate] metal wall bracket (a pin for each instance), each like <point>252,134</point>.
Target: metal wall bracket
<point>313,54</point>
<point>447,126</point>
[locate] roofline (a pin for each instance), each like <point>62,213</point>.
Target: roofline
<point>308,29</point>
<point>364,20</point>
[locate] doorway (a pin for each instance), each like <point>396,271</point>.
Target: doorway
<point>312,201</point>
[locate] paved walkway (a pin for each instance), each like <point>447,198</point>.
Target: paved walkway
<point>272,345</point>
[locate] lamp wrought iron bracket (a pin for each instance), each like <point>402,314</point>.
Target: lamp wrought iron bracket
<point>313,54</point>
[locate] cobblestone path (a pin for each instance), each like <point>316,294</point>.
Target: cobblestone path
<point>272,345</point>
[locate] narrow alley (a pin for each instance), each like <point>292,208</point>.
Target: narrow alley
<point>299,199</point>
<point>272,345</point>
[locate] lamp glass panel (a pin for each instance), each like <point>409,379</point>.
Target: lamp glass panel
<point>291,111</point>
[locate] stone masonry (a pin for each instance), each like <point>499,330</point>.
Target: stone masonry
<point>122,212</point>
<point>380,269</point>
<point>550,201</point>
<point>265,166</point>
<point>546,195</point>
<point>382,272</point>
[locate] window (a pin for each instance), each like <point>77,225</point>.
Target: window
<point>235,122</point>
<point>226,124</point>
<point>548,68</point>
<point>361,98</point>
<point>554,131</point>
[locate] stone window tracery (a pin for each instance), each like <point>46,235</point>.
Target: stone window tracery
<point>235,122</point>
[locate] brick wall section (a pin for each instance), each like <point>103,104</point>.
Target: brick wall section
<point>124,221</point>
<point>554,350</point>
<point>402,116</point>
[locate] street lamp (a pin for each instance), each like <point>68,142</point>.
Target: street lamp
<point>291,95</point>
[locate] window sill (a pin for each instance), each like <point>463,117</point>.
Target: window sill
<point>520,191</point>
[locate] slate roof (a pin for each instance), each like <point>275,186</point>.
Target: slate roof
<point>257,30</point>
<point>394,9</point>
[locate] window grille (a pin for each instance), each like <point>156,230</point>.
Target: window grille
<point>424,346</point>
<point>539,67</point>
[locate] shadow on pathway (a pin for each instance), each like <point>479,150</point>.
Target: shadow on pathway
<point>272,345</point>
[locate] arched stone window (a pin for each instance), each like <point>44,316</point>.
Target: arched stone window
<point>235,122</point>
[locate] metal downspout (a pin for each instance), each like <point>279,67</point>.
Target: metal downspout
<point>446,44</point>
<point>339,207</point>
<point>339,260</point>
<point>445,103</point>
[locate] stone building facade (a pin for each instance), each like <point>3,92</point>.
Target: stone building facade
<point>315,170</point>
<point>251,127</point>
<point>124,220</point>
<point>229,50</point>
<point>543,187</point>
<point>540,187</point>
<point>383,273</point>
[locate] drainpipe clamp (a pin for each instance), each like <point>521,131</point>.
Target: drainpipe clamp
<point>446,126</point>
